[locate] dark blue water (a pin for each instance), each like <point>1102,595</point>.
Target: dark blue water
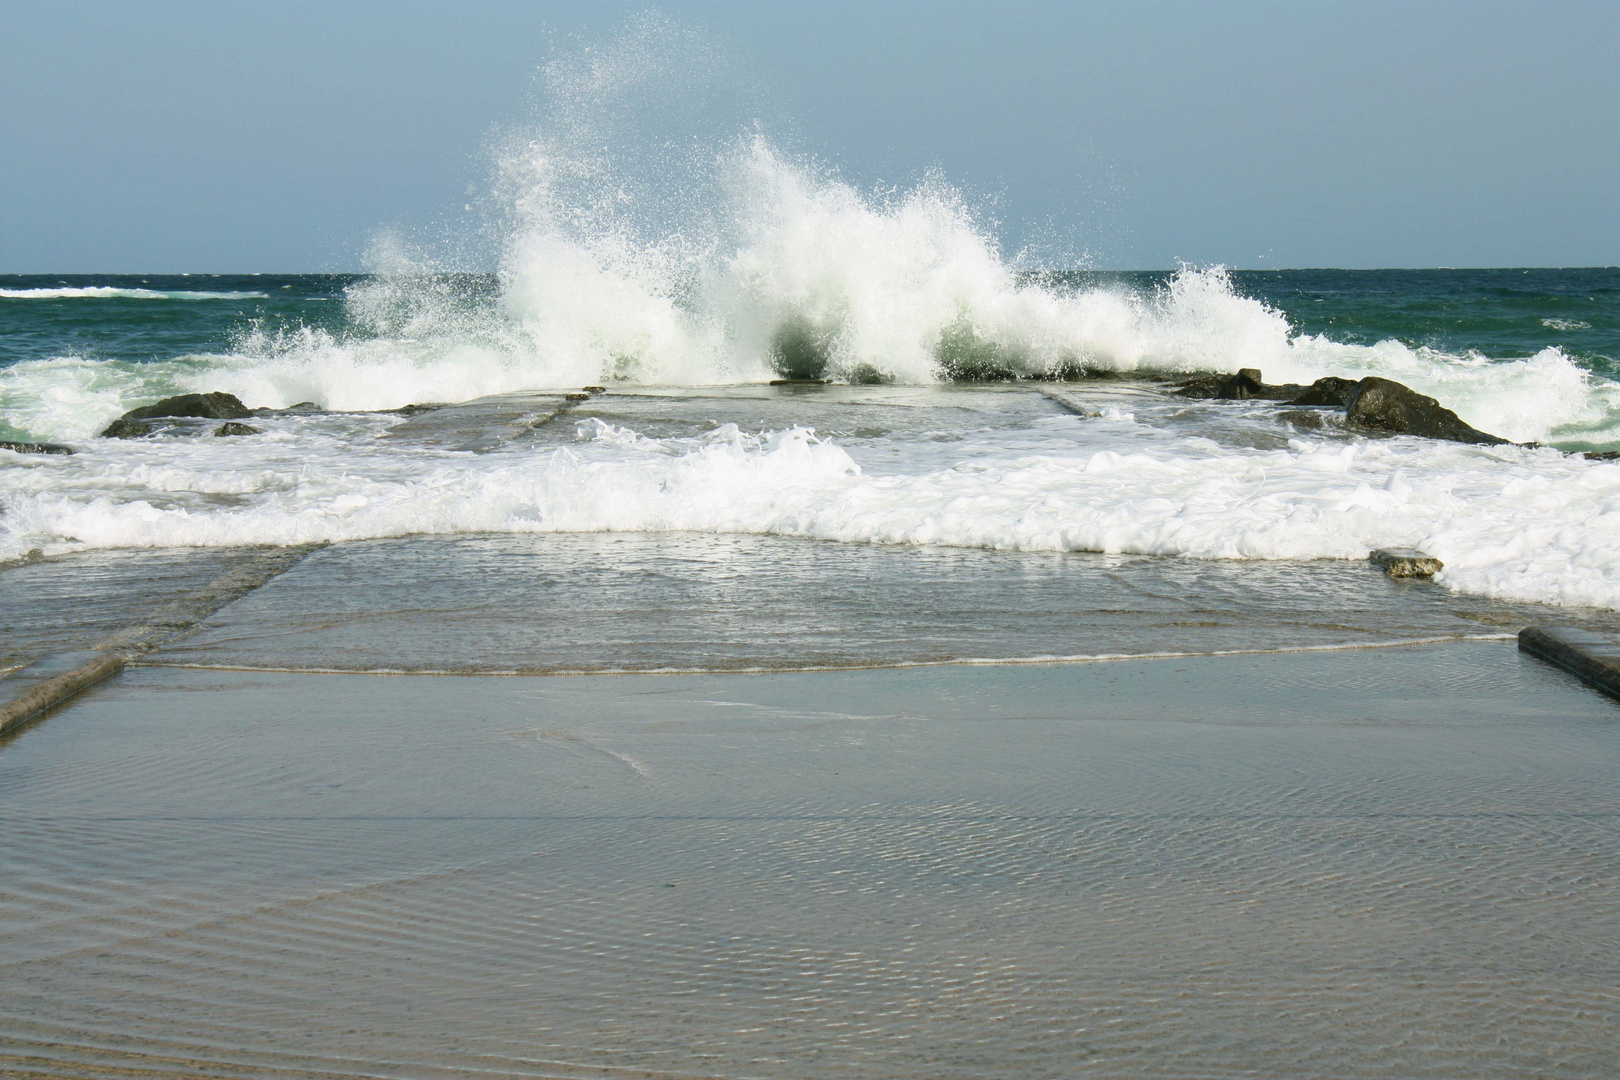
<point>1500,314</point>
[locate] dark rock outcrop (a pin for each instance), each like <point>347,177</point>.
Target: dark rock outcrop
<point>213,406</point>
<point>1246,385</point>
<point>128,429</point>
<point>1385,405</point>
<point>1371,404</point>
<point>35,447</point>
<point>233,428</point>
<point>1328,391</point>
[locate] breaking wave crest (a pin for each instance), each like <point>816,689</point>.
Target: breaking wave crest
<point>782,270</point>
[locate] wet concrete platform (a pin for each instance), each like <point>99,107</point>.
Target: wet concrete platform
<point>121,598</point>
<point>600,602</point>
<point>480,425</point>
<point>1373,863</point>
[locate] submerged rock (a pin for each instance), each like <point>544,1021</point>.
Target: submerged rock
<point>867,375</point>
<point>35,447</point>
<point>128,429</point>
<point>1303,418</point>
<point>233,428</point>
<point>212,406</point>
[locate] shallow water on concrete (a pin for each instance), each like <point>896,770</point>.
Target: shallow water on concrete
<point>106,599</point>
<point>605,601</point>
<point>1368,863</point>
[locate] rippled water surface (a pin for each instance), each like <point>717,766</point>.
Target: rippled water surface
<point>1351,864</point>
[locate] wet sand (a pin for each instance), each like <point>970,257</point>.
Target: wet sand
<point>1366,863</point>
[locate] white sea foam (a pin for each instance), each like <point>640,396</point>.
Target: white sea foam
<point>1508,522</point>
<point>109,292</point>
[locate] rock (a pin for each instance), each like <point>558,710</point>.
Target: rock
<point>213,406</point>
<point>1601,455</point>
<point>1386,405</point>
<point>1406,563</point>
<point>233,428</point>
<point>124,428</point>
<point>417,410</point>
<point>1202,386</point>
<point>1372,404</point>
<point>1246,385</point>
<point>594,389</point>
<point>1328,391</point>
<point>868,375</point>
<point>35,447</point>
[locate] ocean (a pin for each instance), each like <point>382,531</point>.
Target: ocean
<point>920,326</point>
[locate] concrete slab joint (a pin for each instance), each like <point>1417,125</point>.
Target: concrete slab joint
<point>26,694</point>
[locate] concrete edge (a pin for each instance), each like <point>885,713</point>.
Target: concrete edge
<point>1053,394</point>
<point>1590,657</point>
<point>27,692</point>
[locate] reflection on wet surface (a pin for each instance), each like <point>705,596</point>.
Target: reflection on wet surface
<point>1375,863</point>
<point>93,599</point>
<point>593,602</point>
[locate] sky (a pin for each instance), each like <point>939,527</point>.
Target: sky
<point>238,137</point>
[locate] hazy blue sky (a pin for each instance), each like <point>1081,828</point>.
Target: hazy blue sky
<point>279,137</point>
